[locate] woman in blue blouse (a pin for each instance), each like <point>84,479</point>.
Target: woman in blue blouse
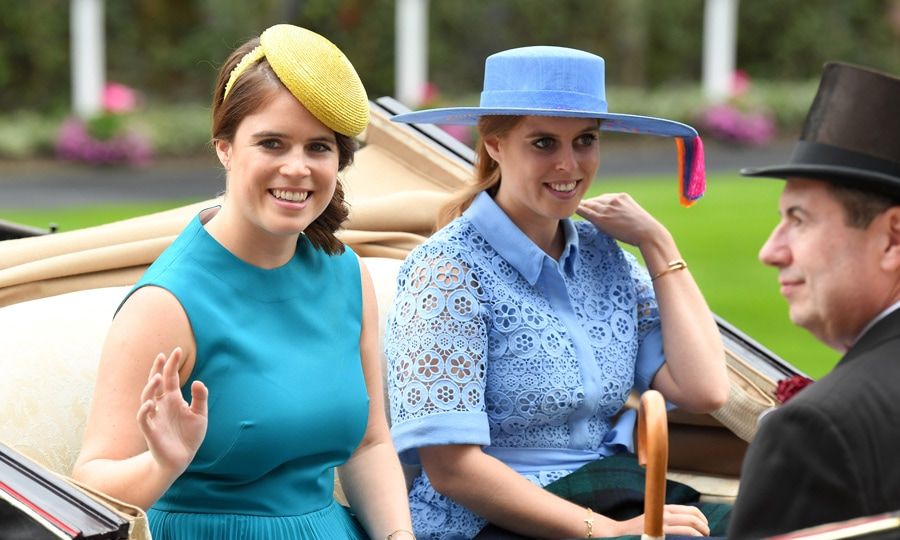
<point>518,333</point>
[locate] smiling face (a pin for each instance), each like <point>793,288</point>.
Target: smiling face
<point>831,274</point>
<point>283,165</point>
<point>546,166</point>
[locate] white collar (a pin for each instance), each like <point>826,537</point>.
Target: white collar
<point>890,309</point>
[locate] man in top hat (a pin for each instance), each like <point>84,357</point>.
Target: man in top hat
<point>832,452</point>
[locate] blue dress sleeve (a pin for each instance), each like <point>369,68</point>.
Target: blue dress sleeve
<point>436,347</point>
<point>650,357</point>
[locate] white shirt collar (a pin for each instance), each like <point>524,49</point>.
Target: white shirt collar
<point>890,309</point>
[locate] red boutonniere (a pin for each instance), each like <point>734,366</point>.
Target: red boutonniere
<point>787,388</point>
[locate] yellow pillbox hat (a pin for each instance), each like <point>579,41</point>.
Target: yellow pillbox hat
<point>316,72</point>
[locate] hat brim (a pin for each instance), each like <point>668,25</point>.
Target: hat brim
<point>625,123</point>
<point>845,176</point>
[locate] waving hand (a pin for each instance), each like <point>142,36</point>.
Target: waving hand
<point>173,428</point>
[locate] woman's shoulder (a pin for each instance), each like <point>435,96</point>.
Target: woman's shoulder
<point>603,251</point>
<point>160,310</point>
<point>455,240</point>
<point>345,258</point>
<point>593,243</point>
<point>589,235</point>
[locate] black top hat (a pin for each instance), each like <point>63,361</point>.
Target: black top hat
<point>851,135</point>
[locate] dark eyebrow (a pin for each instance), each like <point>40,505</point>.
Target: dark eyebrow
<point>795,211</point>
<point>325,138</point>
<point>277,134</point>
<point>540,134</point>
<point>264,134</point>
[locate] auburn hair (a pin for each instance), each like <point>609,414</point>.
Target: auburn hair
<point>487,171</point>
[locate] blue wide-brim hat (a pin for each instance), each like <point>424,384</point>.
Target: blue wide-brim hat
<point>563,82</point>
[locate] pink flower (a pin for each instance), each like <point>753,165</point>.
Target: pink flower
<point>460,133</point>
<point>429,94</point>
<point>75,143</point>
<point>728,123</point>
<point>118,98</point>
<point>740,83</point>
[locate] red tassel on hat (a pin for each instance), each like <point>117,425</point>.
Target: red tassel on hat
<point>691,170</point>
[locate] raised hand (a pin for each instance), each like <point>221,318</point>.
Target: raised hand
<point>172,428</point>
<point>620,216</point>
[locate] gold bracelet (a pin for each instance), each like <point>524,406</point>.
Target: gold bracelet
<point>677,264</point>
<point>589,523</point>
<point>393,535</point>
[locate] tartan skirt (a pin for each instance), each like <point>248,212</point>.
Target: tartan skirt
<point>614,487</point>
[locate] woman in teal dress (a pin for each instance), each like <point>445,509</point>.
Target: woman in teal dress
<point>269,376</point>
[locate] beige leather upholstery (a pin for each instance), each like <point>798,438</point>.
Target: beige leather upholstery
<point>52,347</point>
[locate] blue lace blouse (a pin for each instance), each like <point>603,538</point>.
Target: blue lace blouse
<point>492,342</point>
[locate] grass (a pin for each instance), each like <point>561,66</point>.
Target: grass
<point>69,219</point>
<point>719,237</point>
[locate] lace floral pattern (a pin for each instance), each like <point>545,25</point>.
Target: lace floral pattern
<point>438,517</point>
<point>469,338</point>
<point>457,306</point>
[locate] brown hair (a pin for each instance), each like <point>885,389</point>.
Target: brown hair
<point>860,207</point>
<point>487,171</point>
<point>249,93</point>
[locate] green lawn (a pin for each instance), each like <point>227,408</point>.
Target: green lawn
<point>719,237</point>
<point>68,219</point>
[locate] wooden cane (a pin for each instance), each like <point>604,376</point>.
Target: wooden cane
<point>653,454</point>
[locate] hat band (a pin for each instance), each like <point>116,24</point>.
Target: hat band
<point>812,153</point>
<point>541,100</point>
<point>248,60</point>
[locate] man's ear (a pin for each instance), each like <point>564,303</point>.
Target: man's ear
<point>890,260</point>
<point>223,150</point>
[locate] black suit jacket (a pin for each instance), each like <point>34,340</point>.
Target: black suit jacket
<point>833,451</point>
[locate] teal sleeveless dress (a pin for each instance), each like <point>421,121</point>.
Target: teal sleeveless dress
<point>279,351</point>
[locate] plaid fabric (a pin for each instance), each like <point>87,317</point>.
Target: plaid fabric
<point>614,487</point>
